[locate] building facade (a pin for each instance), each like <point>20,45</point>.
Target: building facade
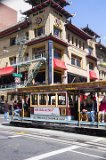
<point>46,48</point>
<point>8,16</point>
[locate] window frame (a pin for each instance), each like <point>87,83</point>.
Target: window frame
<point>51,104</point>
<point>73,40</point>
<point>91,66</point>
<point>36,31</point>
<point>45,99</point>
<point>76,61</point>
<point>59,32</point>
<point>12,60</point>
<point>57,53</point>
<point>12,41</point>
<point>90,50</point>
<point>36,104</point>
<point>61,95</point>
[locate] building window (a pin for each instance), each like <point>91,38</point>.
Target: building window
<point>91,66</point>
<point>38,52</point>
<point>6,64</point>
<point>73,78</point>
<point>78,62</point>
<point>40,77</point>
<point>57,53</point>
<point>39,31</point>
<point>76,42</point>
<point>26,57</point>
<point>72,40</point>
<point>79,44</point>
<point>57,77</point>
<point>90,50</point>
<point>57,32</point>
<point>12,60</point>
<point>12,41</point>
<point>83,46</point>
<point>27,35</point>
<point>68,37</point>
<point>75,60</point>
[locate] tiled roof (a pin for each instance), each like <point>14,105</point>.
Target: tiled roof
<point>78,31</point>
<point>49,3</point>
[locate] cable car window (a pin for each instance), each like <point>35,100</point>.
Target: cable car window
<point>34,99</point>
<point>61,99</point>
<point>42,99</point>
<point>51,99</point>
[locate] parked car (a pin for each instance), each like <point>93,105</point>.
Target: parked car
<point>1,107</point>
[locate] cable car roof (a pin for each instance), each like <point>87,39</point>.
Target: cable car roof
<point>71,87</point>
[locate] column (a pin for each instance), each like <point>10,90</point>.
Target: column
<point>50,63</point>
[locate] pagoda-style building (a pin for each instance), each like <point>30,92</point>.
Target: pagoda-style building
<point>91,32</point>
<point>34,3</point>
<point>46,48</point>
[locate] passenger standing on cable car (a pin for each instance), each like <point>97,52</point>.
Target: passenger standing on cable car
<point>17,108</point>
<point>93,109</point>
<point>102,108</point>
<point>11,106</point>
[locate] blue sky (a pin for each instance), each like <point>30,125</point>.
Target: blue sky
<point>91,12</point>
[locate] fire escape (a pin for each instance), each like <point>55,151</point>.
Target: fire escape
<point>33,65</point>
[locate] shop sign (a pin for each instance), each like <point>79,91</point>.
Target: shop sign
<point>46,111</point>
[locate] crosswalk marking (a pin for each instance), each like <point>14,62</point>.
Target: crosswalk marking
<point>46,155</point>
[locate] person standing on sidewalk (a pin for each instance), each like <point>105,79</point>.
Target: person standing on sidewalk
<point>6,109</point>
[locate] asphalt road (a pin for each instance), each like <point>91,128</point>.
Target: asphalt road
<point>40,144</point>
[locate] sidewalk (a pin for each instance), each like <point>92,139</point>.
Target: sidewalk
<point>3,121</point>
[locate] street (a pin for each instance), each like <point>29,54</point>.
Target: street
<point>18,143</point>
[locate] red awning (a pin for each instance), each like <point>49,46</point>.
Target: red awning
<point>59,64</point>
<point>92,75</point>
<point>6,70</point>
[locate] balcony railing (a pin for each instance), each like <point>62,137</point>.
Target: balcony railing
<point>38,55</point>
<point>35,57</point>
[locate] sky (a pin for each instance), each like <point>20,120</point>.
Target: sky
<point>91,12</point>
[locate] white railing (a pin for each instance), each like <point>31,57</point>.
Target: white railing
<point>28,61</point>
<point>38,55</point>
